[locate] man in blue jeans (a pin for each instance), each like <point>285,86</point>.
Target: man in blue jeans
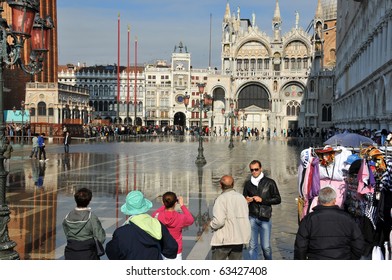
<point>260,192</point>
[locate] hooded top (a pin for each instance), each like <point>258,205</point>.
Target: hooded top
<point>82,224</point>
<point>175,222</point>
<point>80,227</point>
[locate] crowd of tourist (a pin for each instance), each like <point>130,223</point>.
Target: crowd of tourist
<point>16,132</point>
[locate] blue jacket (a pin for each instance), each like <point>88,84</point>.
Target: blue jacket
<point>41,141</point>
<point>130,242</point>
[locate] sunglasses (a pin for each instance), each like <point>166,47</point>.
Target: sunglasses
<point>256,169</point>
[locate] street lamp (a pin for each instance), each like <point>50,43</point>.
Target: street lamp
<point>22,113</point>
<point>243,118</point>
<point>25,24</point>
<point>204,102</point>
<point>231,116</point>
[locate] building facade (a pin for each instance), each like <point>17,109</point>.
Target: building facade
<point>364,65</point>
<point>277,83</point>
<point>15,78</point>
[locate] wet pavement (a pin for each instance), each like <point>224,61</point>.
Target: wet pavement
<point>39,195</point>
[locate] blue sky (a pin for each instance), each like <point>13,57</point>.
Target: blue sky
<point>87,29</point>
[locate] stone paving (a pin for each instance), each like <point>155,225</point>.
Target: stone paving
<point>40,194</point>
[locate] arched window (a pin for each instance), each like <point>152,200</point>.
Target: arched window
<point>326,113</point>
<point>253,95</point>
<point>41,108</point>
<point>312,86</point>
<point>96,90</point>
<point>293,108</point>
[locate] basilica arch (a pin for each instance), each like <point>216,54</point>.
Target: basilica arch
<point>254,100</point>
<point>220,98</point>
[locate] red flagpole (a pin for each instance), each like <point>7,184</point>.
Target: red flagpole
<point>135,97</point>
<point>118,69</point>
<point>129,32</point>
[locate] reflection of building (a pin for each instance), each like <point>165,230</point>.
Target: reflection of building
<point>33,216</point>
<point>364,68</point>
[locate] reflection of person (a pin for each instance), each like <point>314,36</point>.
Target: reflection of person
<point>230,222</point>
<point>328,232</point>
<point>7,154</point>
<point>173,220</point>
<point>142,237</point>
<point>67,141</point>
<point>80,226</point>
<point>260,192</point>
<point>66,162</point>
<point>39,182</point>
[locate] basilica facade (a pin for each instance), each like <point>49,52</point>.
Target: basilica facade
<point>277,82</point>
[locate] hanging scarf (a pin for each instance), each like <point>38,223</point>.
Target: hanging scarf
<point>364,184</point>
<point>386,180</point>
<point>255,180</point>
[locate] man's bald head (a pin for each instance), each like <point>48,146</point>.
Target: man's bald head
<point>226,182</point>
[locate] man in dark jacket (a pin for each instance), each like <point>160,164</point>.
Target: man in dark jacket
<point>142,237</point>
<point>328,233</point>
<point>260,192</point>
<point>66,142</point>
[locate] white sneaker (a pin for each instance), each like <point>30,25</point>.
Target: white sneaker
<point>46,159</point>
<point>41,160</point>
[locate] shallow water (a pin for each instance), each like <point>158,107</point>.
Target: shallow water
<point>153,165</point>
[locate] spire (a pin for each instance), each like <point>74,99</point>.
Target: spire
<point>319,10</point>
<point>227,12</point>
<point>277,13</point>
<point>277,23</point>
<point>296,19</point>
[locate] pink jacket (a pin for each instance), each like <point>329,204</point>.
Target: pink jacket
<point>175,222</point>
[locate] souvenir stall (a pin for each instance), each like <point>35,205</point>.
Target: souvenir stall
<point>363,184</point>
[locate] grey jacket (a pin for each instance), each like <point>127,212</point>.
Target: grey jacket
<point>230,221</point>
<point>82,225</point>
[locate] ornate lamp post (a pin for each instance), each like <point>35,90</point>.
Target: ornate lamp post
<point>22,113</point>
<point>233,114</point>
<point>25,24</point>
<point>243,118</point>
<point>204,102</point>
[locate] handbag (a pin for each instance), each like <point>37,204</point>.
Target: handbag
<point>99,247</point>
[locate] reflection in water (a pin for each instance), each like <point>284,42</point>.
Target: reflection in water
<point>152,166</point>
<point>38,170</point>
<point>202,219</point>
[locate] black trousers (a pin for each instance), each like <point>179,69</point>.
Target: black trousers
<point>42,152</point>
